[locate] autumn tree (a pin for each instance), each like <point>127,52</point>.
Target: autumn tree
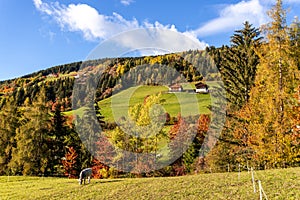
<point>272,99</point>
<point>10,117</point>
<point>104,157</point>
<point>179,144</point>
<point>31,153</point>
<point>294,33</point>
<point>186,139</point>
<point>69,161</point>
<point>138,135</point>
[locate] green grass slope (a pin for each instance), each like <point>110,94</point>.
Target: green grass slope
<point>174,102</point>
<point>277,184</point>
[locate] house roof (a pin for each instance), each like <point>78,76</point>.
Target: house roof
<point>175,86</point>
<point>201,85</point>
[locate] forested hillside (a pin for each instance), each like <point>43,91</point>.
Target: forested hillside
<point>49,93</point>
<point>262,128</point>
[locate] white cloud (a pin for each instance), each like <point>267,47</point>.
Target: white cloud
<point>86,19</point>
<point>233,16</point>
<point>126,2</point>
<point>96,26</point>
<point>37,3</point>
<point>42,6</point>
<point>156,24</point>
<point>145,41</point>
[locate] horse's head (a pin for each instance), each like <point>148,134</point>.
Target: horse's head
<point>80,179</point>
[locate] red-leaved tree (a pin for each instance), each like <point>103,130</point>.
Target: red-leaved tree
<point>69,162</point>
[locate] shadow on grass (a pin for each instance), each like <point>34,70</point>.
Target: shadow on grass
<point>106,181</point>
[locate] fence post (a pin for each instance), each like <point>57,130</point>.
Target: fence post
<point>253,181</point>
<point>248,167</point>
<point>239,175</point>
<point>228,168</point>
<point>261,191</point>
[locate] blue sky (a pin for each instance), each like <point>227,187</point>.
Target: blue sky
<point>37,34</point>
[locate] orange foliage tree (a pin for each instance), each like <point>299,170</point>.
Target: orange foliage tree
<point>69,162</point>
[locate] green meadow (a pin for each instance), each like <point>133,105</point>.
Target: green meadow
<point>180,102</point>
<point>277,184</point>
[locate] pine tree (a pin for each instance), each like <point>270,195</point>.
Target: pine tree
<point>237,64</point>
<point>57,139</point>
<point>89,132</point>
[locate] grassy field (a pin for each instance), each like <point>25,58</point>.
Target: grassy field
<point>78,112</point>
<point>278,184</point>
<point>174,102</point>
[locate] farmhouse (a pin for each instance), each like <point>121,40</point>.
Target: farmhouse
<point>201,88</point>
<point>176,88</point>
<point>76,76</point>
<point>53,75</point>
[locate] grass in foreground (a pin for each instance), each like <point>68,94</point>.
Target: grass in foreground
<point>277,184</point>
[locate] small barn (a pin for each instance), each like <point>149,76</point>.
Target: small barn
<point>175,88</point>
<point>202,88</point>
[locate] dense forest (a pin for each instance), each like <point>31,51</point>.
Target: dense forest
<point>260,73</point>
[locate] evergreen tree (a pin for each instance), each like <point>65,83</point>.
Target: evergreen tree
<point>88,129</point>
<point>238,64</point>
<point>56,140</point>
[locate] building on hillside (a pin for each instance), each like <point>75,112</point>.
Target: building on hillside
<point>202,88</point>
<point>175,88</point>
<point>53,75</point>
<point>75,75</point>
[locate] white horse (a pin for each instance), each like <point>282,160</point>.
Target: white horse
<point>85,173</point>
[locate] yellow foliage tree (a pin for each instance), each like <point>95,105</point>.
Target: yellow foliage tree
<point>271,104</point>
